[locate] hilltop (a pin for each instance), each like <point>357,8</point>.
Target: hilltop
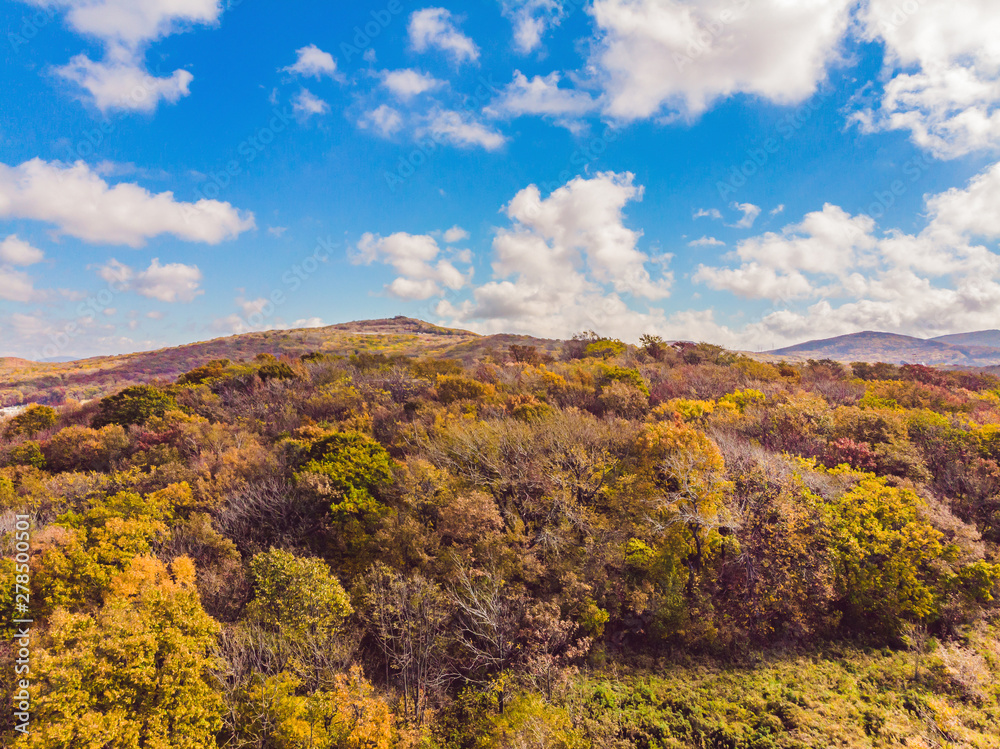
<point>22,381</point>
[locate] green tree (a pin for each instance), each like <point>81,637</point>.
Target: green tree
<point>354,466</point>
<point>296,595</point>
<point>32,421</point>
<point>28,454</point>
<point>133,406</point>
<point>216,369</point>
<point>889,561</point>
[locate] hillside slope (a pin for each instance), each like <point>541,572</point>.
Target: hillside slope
<point>988,338</point>
<point>26,382</point>
<point>870,346</point>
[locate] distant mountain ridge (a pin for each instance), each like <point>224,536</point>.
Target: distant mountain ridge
<point>988,338</point>
<point>976,349</point>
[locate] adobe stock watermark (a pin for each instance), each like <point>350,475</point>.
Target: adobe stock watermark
<point>248,150</point>
<point>426,146</point>
<point>86,312</point>
<point>702,42</point>
<point>900,15</point>
<point>759,156</point>
<point>365,34</point>
<point>291,281</point>
<point>22,624</point>
<point>30,26</point>
<point>913,169</point>
<point>582,157</point>
<point>87,143</point>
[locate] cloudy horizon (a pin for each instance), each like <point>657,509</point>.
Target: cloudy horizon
<point>752,173</point>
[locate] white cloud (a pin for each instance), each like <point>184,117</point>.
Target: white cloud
<point>174,282</point>
<point>79,203</point>
<point>126,28</point>
<point>706,242</point>
<point>776,211</point>
<point>434,28</point>
<point>422,273</point>
<point>463,131</point>
<point>385,120</point>
<point>277,231</point>
<point>306,104</point>
<point>936,281</point>
<point>408,83</point>
<point>15,251</point>
<point>944,61</point>
<point>750,213</point>
<point>309,322</point>
<point>455,234</point>
<point>122,83</point>
<point>708,213</point>
<point>566,263</point>
<point>15,285</point>
<point>313,62</point>
<point>542,96</point>
<point>134,22</point>
<point>682,55</point>
<point>532,19</point>
<point>825,243</point>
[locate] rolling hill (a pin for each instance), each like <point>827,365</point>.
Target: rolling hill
<point>963,350</point>
<point>25,382</point>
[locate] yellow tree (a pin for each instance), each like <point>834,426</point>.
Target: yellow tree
<point>136,673</point>
<point>689,486</point>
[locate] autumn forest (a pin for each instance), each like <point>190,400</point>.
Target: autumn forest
<point>585,545</point>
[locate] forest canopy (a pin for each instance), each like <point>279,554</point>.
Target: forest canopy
<point>669,545</point>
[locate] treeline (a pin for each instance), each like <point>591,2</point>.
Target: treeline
<point>653,546</point>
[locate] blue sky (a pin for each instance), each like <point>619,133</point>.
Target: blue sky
<point>748,172</point>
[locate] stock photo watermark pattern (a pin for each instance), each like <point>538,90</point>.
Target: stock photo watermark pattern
<point>21,625</point>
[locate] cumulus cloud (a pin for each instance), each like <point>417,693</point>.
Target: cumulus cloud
<point>16,285</point>
<point>825,243</point>
<point>531,20</point>
<point>384,120</point>
<point>706,242</point>
<point>81,204</point>
<point>416,258</point>
<point>455,234</point>
<point>678,57</point>
<point>313,62</point>
<point>305,104</point>
<point>750,213</point>
<point>173,282</point>
<point>15,251</point>
<point>408,83</point>
<point>936,281</point>
<point>434,28</point>
<point>309,322</point>
<point>566,262</point>
<point>461,130</point>
<point>126,28</point>
<point>943,65</point>
<point>542,96</point>
<point>120,82</point>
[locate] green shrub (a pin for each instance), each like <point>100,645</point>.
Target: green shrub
<point>133,406</point>
<point>32,421</point>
